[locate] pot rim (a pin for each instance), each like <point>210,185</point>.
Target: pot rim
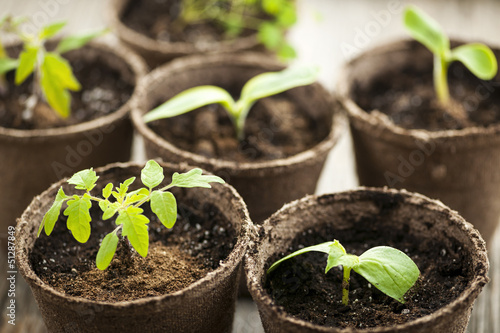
<point>230,262</point>
<point>386,129</point>
<point>246,59</point>
<point>470,293</point>
<point>138,68</point>
<point>115,10</point>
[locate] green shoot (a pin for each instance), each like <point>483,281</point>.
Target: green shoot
<point>124,204</point>
<point>53,75</point>
<point>478,58</point>
<point>236,15</point>
<point>260,86</point>
<point>388,269</point>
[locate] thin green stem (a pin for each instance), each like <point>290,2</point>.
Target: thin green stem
<point>441,79</point>
<point>345,286</point>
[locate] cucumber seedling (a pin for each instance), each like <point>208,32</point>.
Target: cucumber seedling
<point>53,76</point>
<point>260,86</point>
<point>388,269</point>
<point>478,58</point>
<point>130,221</point>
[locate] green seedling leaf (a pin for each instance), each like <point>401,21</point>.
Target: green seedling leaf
<point>268,84</point>
<point>164,205</point>
<point>77,41</point>
<point>50,218</point>
<point>58,98</point>
<point>286,51</point>
<point>273,7</point>
<point>194,178</point>
<point>79,217</point>
<point>426,30</point>
<point>389,270</point>
<point>152,174</point>
<point>323,247</point>
<point>107,251</point>
<point>110,210</point>
<point>106,192</point>
<point>135,228</point>
<point>136,196</point>
<point>50,30</point>
<point>59,69</point>
<point>287,16</point>
<point>84,180</point>
<point>26,66</point>
<point>270,35</point>
<point>7,64</point>
<point>189,100</point>
<point>478,58</point>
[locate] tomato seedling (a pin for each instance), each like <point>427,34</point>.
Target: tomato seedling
<point>53,75</point>
<point>260,86</point>
<point>130,220</point>
<point>388,269</point>
<point>478,58</point>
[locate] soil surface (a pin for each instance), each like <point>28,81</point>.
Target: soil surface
<point>300,286</point>
<point>103,92</point>
<point>275,128</point>
<point>159,19</point>
<point>409,100</point>
<point>177,257</point>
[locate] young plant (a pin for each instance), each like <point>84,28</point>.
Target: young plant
<point>270,18</point>
<point>130,220</point>
<point>53,75</point>
<point>478,58</point>
<point>388,269</point>
<point>260,86</point>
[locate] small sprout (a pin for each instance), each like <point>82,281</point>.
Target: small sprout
<point>388,269</point>
<point>478,58</point>
<point>131,221</point>
<point>234,16</point>
<point>53,75</point>
<point>260,86</point>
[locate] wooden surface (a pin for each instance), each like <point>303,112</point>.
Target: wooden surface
<point>328,33</point>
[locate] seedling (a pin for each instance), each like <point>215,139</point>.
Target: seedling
<point>236,15</point>
<point>130,220</point>
<point>53,75</point>
<point>478,58</point>
<point>260,86</point>
<point>388,269</point>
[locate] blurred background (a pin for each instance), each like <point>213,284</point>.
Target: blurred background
<point>328,33</point>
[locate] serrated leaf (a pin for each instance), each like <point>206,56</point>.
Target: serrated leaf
<point>104,204</point>
<point>389,270</point>
<point>7,64</point>
<point>194,178</point>
<point>122,190</point>
<point>77,41</point>
<point>50,30</point>
<point>152,174</point>
<point>50,218</point>
<point>323,247</point>
<point>59,69</point>
<point>110,211</point>
<point>478,58</point>
<point>426,30</point>
<point>84,180</point>
<point>106,192</point>
<point>189,100</point>
<point>135,228</point>
<point>27,61</point>
<point>79,217</point>
<point>106,251</point>
<point>136,196</point>
<point>164,205</point>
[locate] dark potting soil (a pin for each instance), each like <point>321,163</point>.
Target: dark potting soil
<point>177,257</point>
<point>408,98</point>
<point>103,92</point>
<point>275,128</point>
<point>159,19</point>
<point>300,286</point>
